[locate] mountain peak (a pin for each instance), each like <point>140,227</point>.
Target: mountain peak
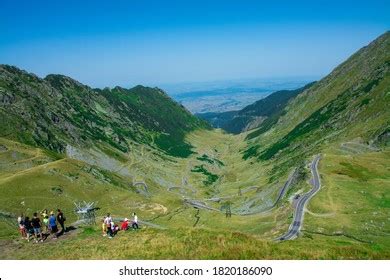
<point>62,81</point>
<point>6,69</point>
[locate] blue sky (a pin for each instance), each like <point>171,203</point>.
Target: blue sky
<point>128,42</point>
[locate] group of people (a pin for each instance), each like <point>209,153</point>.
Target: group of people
<point>41,229</point>
<point>110,229</point>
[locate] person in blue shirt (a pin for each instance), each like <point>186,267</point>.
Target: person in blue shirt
<point>53,225</point>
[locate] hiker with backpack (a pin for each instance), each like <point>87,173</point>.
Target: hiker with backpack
<point>61,220</point>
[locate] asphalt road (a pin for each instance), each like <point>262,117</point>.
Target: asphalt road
<point>202,205</point>
<point>300,206</point>
<point>285,187</point>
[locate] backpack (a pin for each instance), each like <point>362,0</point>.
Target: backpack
<point>61,218</point>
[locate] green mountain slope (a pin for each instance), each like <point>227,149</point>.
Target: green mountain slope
<point>350,103</point>
<point>262,114</point>
<point>57,111</point>
<point>63,142</point>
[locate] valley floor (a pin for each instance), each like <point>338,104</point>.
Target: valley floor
<point>348,218</point>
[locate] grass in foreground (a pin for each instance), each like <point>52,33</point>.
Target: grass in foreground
<point>188,244</point>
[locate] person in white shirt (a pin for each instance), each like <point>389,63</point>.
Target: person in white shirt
<point>135,221</point>
<point>22,228</point>
<point>107,222</point>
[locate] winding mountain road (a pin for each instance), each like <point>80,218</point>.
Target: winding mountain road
<point>285,187</point>
<point>203,204</point>
<point>300,206</point>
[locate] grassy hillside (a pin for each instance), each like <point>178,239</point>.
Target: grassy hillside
<point>191,244</point>
<point>348,104</point>
<point>58,111</point>
<point>64,142</point>
<point>346,220</point>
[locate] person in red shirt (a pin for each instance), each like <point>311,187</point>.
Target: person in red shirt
<point>125,224</point>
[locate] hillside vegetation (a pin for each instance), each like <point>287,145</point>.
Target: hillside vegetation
<point>350,104</point>
<point>58,111</point>
<point>135,150</point>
